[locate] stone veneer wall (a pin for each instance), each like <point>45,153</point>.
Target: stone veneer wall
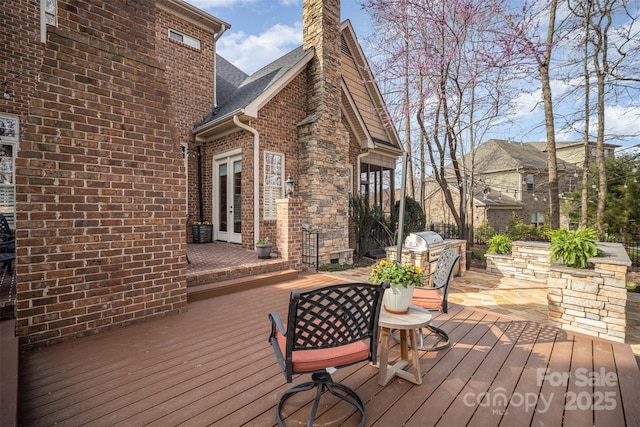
<point>427,260</point>
<point>590,301</point>
<point>323,140</point>
<point>527,261</point>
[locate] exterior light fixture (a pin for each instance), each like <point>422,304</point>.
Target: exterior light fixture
<point>7,93</point>
<point>288,185</point>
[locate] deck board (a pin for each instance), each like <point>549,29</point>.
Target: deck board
<point>213,365</point>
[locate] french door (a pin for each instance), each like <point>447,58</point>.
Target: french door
<point>227,206</point>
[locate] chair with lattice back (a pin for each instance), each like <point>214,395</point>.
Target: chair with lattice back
<point>330,327</point>
<point>434,295</point>
<point>7,244</point>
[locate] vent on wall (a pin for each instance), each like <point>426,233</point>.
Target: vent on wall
<point>345,47</point>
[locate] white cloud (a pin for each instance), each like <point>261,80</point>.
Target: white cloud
<point>252,52</point>
<point>621,120</point>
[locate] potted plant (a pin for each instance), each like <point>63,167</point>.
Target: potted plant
<point>202,232</point>
<point>263,248</point>
<point>403,278</point>
<point>573,248</point>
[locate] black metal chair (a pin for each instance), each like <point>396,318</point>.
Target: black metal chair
<point>7,244</point>
<point>434,297</point>
<point>330,327</point>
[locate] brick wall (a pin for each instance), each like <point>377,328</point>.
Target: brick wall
<point>100,183</point>
<point>21,53</point>
<point>190,74</point>
<point>276,125</point>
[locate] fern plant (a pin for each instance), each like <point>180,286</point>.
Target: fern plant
<point>573,248</point>
<point>499,244</point>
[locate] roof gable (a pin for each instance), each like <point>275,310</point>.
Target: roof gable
<point>238,91</point>
<point>499,155</point>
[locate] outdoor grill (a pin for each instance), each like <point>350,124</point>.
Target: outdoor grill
<point>423,240</point>
<point>424,248</point>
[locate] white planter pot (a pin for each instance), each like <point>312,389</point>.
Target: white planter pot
<point>397,298</point>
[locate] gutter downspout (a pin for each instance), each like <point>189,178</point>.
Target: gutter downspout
<point>358,160</point>
<point>216,37</point>
<point>256,182</point>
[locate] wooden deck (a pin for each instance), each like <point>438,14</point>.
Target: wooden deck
<point>213,366</point>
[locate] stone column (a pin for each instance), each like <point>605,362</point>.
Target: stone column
<point>323,140</point>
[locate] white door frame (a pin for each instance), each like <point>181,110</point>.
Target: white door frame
<point>227,220</point>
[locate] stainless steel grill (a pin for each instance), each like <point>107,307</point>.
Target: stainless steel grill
<point>424,240</point>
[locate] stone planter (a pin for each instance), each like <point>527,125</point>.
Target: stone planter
<point>202,233</point>
<point>397,298</point>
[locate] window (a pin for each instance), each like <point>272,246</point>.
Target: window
<point>48,9</point>
<point>190,41</point>
<point>530,183</point>
<point>9,135</point>
<point>273,182</point>
<point>537,218</point>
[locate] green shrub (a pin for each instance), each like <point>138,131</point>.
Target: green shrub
<point>499,244</point>
<point>414,217</point>
<point>518,230</point>
<point>334,267</point>
<point>478,255</point>
<point>573,248</point>
<point>486,232</point>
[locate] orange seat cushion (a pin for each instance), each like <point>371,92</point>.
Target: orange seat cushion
<point>313,360</point>
<point>427,298</point>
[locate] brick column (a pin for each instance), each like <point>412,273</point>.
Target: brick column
<point>289,231</point>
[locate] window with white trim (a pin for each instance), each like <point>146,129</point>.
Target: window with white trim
<point>530,183</point>
<point>48,14</point>
<point>537,219</point>
<point>183,38</point>
<point>9,136</point>
<point>273,182</point>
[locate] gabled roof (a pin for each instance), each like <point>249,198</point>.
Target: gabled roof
<point>243,95</point>
<point>497,155</point>
<point>363,104</point>
<point>240,92</point>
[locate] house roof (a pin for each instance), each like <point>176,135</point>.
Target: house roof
<point>497,155</point>
<point>237,91</point>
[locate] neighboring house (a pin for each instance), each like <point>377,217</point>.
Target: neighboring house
<point>121,119</point>
<point>511,177</point>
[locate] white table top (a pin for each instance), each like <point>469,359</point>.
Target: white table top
<point>415,318</point>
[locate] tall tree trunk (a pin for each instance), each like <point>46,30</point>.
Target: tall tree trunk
<point>600,63</point>
<point>584,207</point>
<point>543,66</point>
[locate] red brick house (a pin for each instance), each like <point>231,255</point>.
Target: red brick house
<point>119,119</point>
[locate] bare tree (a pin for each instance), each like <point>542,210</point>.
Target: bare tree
<point>457,81</point>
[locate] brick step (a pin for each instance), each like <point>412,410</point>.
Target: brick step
<point>217,288</point>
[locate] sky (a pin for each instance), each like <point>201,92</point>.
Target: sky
<point>264,30</point>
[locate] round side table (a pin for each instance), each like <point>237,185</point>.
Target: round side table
<point>407,325</point>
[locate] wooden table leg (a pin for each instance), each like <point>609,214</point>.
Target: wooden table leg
<point>415,357</point>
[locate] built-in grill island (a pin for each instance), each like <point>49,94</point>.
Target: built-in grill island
<point>423,248</point>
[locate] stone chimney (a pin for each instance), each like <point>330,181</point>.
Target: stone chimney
<point>324,181</point>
